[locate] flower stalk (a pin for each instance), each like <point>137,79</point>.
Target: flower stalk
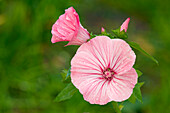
<point>116,107</point>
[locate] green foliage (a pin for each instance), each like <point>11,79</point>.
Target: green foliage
<point>138,72</point>
<point>66,93</point>
<point>120,34</point>
<point>137,46</point>
<point>107,34</point>
<point>121,106</point>
<point>102,34</point>
<point>69,90</point>
<point>92,35</point>
<point>136,93</point>
<point>132,98</point>
<point>136,90</point>
<point>66,75</point>
<point>116,107</point>
<point>141,84</point>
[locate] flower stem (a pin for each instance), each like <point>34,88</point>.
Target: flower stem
<point>116,107</point>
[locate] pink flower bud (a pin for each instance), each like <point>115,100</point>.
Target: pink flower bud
<point>125,25</point>
<point>69,28</point>
<point>102,29</point>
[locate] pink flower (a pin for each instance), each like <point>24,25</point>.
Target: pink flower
<point>102,70</point>
<point>125,25</point>
<point>68,28</point>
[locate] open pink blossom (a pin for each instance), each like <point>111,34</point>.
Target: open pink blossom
<point>124,26</point>
<point>68,28</point>
<point>102,70</point>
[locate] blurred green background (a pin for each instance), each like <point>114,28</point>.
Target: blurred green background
<point>30,64</point>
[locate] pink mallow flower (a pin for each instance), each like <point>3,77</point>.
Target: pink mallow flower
<point>125,25</point>
<point>69,28</point>
<point>102,70</point>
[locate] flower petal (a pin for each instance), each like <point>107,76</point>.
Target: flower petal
<point>81,37</point>
<point>93,88</point>
<point>122,58</point>
<point>99,48</point>
<point>97,93</point>
<point>115,54</point>
<point>121,86</point>
<point>86,63</point>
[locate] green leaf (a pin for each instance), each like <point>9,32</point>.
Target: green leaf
<point>121,106</point>
<point>102,34</point>
<point>66,75</point>
<point>92,35</point>
<point>120,34</point>
<point>66,93</point>
<point>139,72</point>
<point>132,98</point>
<point>141,84</point>
<point>137,92</point>
<point>107,34</point>
<point>116,107</point>
<point>137,46</point>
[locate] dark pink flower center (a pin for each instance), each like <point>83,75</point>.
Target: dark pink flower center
<point>108,74</point>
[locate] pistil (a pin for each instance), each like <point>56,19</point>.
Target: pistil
<point>108,74</point>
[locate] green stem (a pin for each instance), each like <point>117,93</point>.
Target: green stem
<point>116,107</point>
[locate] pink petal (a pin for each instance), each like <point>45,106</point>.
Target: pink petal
<point>121,86</point>
<point>115,54</point>
<point>81,37</point>
<point>55,39</point>
<point>66,28</point>
<point>92,87</point>
<point>97,93</point>
<point>67,21</point>
<point>99,48</point>
<point>122,58</point>
<point>85,64</point>
<point>125,25</point>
